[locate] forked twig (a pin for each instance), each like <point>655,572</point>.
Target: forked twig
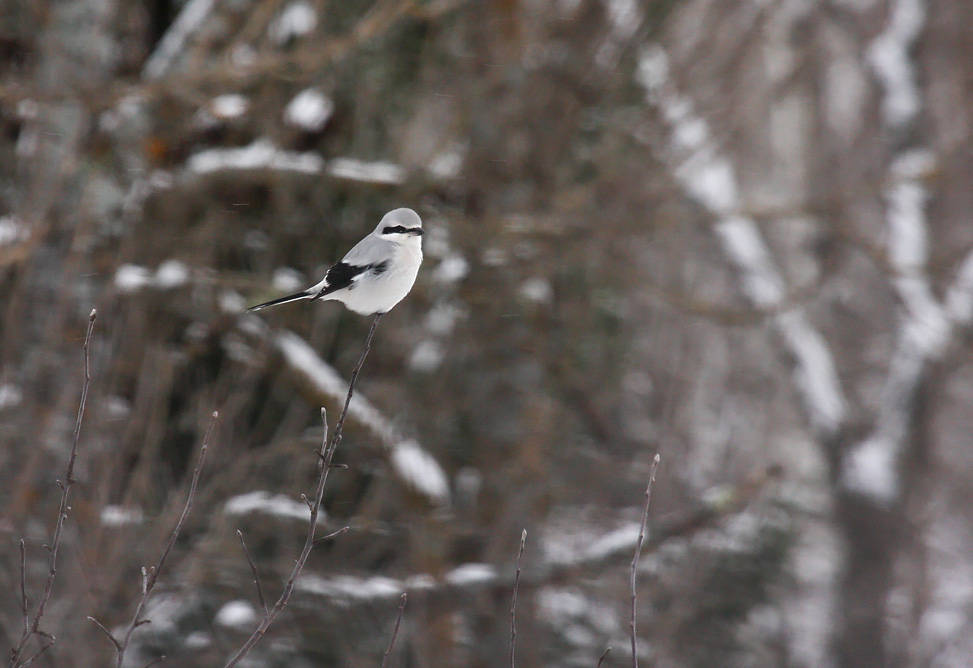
<point>395,631</point>
<point>513,600</point>
<point>635,559</point>
<point>253,569</point>
<point>32,628</point>
<point>325,454</point>
<point>150,576</point>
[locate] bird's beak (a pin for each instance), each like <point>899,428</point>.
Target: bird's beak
<point>416,231</point>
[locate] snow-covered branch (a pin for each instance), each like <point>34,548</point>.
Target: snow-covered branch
<point>412,463</point>
<point>710,178</point>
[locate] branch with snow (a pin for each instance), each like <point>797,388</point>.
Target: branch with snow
<point>412,463</point>
<point>710,178</point>
<point>189,21</point>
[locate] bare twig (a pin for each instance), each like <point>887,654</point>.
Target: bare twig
<point>24,606</point>
<point>604,655</point>
<point>253,569</point>
<point>325,455</point>
<point>33,627</point>
<point>635,559</point>
<point>395,631</point>
<point>333,534</point>
<point>513,600</point>
<point>150,576</point>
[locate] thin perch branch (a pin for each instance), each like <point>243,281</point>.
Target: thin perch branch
<point>33,628</point>
<point>513,600</point>
<point>604,655</point>
<point>635,559</point>
<point>325,455</point>
<point>395,631</point>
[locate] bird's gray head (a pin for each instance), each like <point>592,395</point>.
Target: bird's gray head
<point>400,225</point>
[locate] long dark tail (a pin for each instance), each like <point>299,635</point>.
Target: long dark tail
<point>303,294</point>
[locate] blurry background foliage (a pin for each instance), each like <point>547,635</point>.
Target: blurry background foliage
<point>736,234</point>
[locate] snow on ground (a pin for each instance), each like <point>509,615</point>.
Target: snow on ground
<point>228,106</point>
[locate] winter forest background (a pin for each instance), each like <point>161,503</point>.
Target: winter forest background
<point>734,233</point>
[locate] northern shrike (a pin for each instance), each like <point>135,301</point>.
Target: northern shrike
<point>377,273</point>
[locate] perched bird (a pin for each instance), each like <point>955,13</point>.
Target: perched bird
<point>377,273</point>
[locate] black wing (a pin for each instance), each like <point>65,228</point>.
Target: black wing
<point>343,275</point>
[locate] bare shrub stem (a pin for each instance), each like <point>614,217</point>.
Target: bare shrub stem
<point>635,559</point>
<point>150,575</point>
<point>395,631</point>
<point>32,627</point>
<point>325,454</point>
<point>513,600</point>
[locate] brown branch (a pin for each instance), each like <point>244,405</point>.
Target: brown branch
<point>32,628</point>
<point>513,599</point>
<point>638,551</point>
<point>604,655</point>
<point>325,454</point>
<point>253,569</point>
<point>150,576</point>
<point>395,631</point>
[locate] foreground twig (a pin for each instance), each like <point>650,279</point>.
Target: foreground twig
<point>325,454</point>
<point>150,576</point>
<point>395,631</point>
<point>32,627</point>
<point>253,569</point>
<point>635,559</point>
<point>604,655</point>
<point>513,600</point>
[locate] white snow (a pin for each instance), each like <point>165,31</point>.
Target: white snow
<point>537,290</point>
<point>870,469</point>
<point>471,574</point>
<point>959,297</point>
<point>889,56</point>
<point>10,396</point>
<point>261,154</point>
<point>297,19</point>
<point>229,106</point>
<point>118,516</point>
<point>236,614</point>
<point>197,640</point>
<point>11,230</point>
<point>190,18</point>
<point>309,110</point>
<point>427,356</point>
<point>452,269</point>
<point>380,172</point>
<point>171,274</point>
<point>231,301</point>
<point>287,279</point>
<point>277,505</point>
<point>419,470</point>
<point>132,278</point>
<point>349,587</point>
<point>442,318</point>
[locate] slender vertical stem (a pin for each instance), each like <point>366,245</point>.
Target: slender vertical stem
<point>325,455</point>
<point>635,559</point>
<point>395,631</point>
<point>33,628</point>
<point>513,600</point>
<point>253,569</point>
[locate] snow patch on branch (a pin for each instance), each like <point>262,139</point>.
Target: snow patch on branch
<point>277,505</point>
<point>710,179</point>
<point>889,56</point>
<point>351,169</point>
<point>189,21</point>
<point>261,154</point>
<point>309,110</point>
<point>410,461</point>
